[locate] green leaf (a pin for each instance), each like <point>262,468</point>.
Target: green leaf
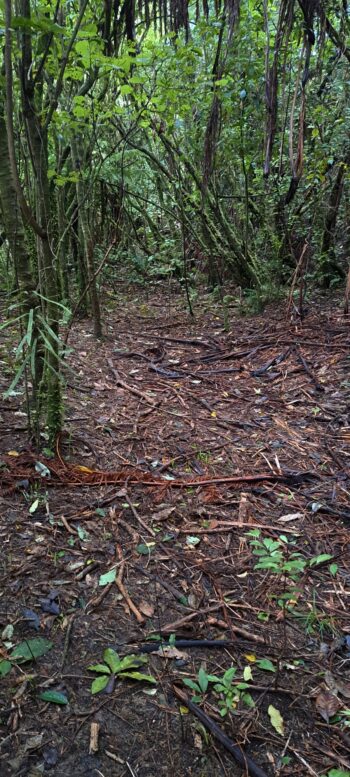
<point>220,688</point>
<point>229,675</point>
<point>99,684</point>
<point>112,659</point>
<point>247,673</point>
<point>333,568</point>
<point>191,684</point>
<point>139,676</point>
<point>82,533</point>
<point>276,719</point>
<point>202,680</point>
<point>320,559</point>
<point>5,667</point>
<point>248,700</point>
<point>34,506</point>
<point>108,577</point>
<point>31,648</point>
<point>55,697</point>
<point>132,662</point>
<point>266,665</point>
<point>192,541</point>
<point>99,668</point>
<point>144,549</point>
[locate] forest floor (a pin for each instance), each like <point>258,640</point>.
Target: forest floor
<point>179,439</point>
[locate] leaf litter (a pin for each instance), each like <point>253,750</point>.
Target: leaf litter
<point>179,469</point>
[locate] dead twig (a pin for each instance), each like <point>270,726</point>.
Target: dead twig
<point>124,593</point>
<point>125,386</point>
<point>66,641</point>
<point>139,519</point>
<point>94,735</point>
<point>242,632</point>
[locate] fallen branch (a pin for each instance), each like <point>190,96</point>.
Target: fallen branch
<point>170,628</point>
<point>138,517</point>
<point>244,760</point>
<point>223,526</point>
<point>307,370</point>
<point>125,386</point>
<point>75,475</point>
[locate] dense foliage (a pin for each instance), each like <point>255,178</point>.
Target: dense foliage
<point>208,143</point>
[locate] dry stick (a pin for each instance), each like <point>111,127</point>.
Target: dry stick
<point>244,760</point>
<point>66,641</point>
<point>98,599</point>
<point>308,371</point>
<point>94,735</point>
<point>296,275</point>
<point>124,593</point>
<point>172,627</point>
<point>129,388</point>
<point>66,525</point>
<point>227,526</point>
<point>111,477</point>
<point>138,518</point>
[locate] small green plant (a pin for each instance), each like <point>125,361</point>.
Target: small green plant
<point>316,621</point>
<point>276,555</point>
<point>288,566</point>
<point>28,650</point>
<point>200,686</point>
<point>232,693</point>
<point>342,718</point>
<point>121,668</point>
<point>229,690</point>
<point>203,456</point>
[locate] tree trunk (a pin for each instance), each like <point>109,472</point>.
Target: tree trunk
<point>328,258</point>
<point>37,138</point>
<point>25,284</point>
<point>77,156</point>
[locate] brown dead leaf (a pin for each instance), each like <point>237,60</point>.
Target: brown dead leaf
<point>327,705</point>
<point>146,609</point>
<point>197,741</point>
<point>216,622</point>
<point>170,652</point>
<point>162,515</point>
<point>336,685</point>
<point>290,517</point>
